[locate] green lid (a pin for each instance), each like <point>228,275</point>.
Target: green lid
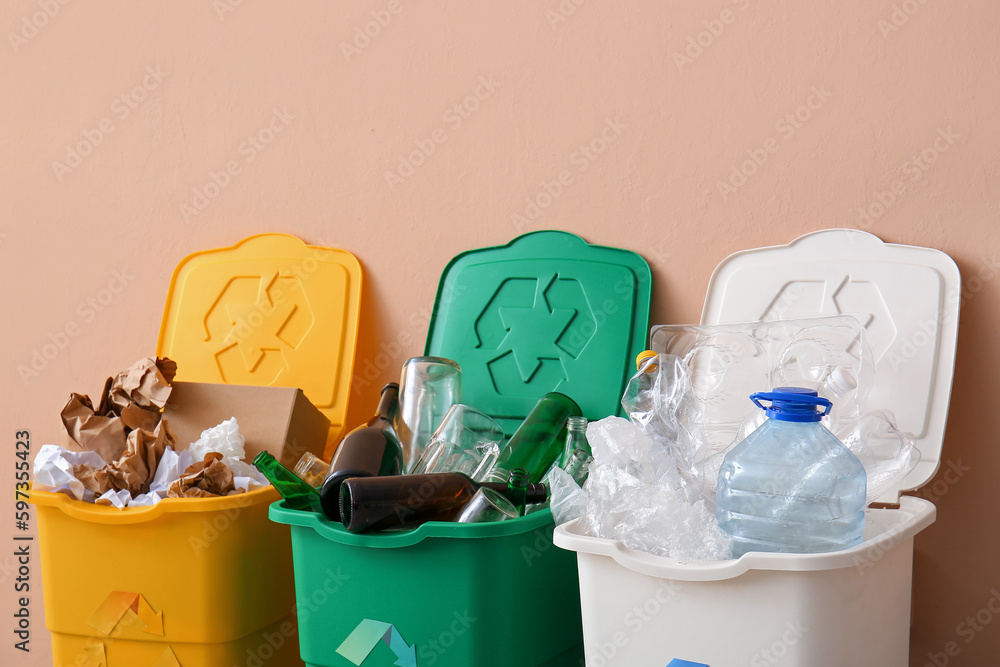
<point>546,312</point>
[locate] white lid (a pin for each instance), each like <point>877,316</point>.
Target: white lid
<point>906,297</point>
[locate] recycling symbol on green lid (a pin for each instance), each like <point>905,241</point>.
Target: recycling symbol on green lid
<point>546,312</point>
<point>533,336</point>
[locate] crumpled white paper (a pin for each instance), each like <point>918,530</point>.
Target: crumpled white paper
<point>120,499</point>
<point>53,471</point>
<point>171,466</point>
<point>227,440</point>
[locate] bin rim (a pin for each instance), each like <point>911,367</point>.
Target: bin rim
<point>280,513</point>
<point>108,514</point>
<point>914,514</point>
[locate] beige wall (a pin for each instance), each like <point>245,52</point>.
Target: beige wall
<point>887,83</point>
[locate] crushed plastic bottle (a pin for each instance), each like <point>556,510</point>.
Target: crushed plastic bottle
<point>791,486</point>
<point>887,453</point>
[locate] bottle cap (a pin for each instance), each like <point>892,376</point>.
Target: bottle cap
<point>642,356</point>
<point>792,404</point>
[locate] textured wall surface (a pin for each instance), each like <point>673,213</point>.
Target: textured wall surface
<point>134,133</point>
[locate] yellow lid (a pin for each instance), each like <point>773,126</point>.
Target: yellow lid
<point>270,310</point>
<point>645,354</point>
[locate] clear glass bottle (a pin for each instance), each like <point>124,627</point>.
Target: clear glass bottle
<point>791,486</point>
<point>312,469</point>
<point>428,387</point>
<point>576,439</point>
<point>578,466</point>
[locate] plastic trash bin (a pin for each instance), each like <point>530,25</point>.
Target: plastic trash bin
<point>453,594</point>
<point>801,610</point>
<point>197,563</point>
<point>207,582</point>
<point>547,312</point>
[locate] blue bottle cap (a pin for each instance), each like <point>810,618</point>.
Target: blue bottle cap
<point>793,404</point>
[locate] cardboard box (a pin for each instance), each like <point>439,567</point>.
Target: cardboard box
<point>280,420</point>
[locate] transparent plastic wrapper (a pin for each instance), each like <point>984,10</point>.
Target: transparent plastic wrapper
<point>567,499</point>
<point>728,362</point>
<point>636,495</point>
<point>721,365</point>
<point>660,401</point>
<point>887,453</point>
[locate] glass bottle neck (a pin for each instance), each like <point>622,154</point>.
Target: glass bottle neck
<point>518,479</point>
<point>387,403</point>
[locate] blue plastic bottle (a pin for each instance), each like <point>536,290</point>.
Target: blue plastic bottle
<point>791,486</point>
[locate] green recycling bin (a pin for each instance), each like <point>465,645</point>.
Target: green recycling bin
<point>547,312</point>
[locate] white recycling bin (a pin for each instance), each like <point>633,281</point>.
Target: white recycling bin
<point>837,609</point>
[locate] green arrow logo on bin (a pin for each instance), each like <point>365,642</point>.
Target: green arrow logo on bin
<point>360,643</point>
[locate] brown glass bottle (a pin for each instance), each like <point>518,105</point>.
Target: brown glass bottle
<point>371,449</point>
<point>405,501</point>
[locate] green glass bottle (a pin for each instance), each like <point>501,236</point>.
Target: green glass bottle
<point>539,441</point>
<point>517,489</point>
<point>406,501</point>
<point>297,494</point>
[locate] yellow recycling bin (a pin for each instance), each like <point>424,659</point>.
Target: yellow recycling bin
<point>207,582</point>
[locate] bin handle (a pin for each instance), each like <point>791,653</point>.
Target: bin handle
<point>331,531</point>
<point>107,514</point>
<point>112,515</point>
<point>389,540</point>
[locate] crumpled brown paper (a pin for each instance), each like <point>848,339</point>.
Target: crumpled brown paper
<point>134,469</point>
<point>91,430</point>
<point>144,384</point>
<point>205,479</point>
<point>131,401</point>
<point>97,480</point>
